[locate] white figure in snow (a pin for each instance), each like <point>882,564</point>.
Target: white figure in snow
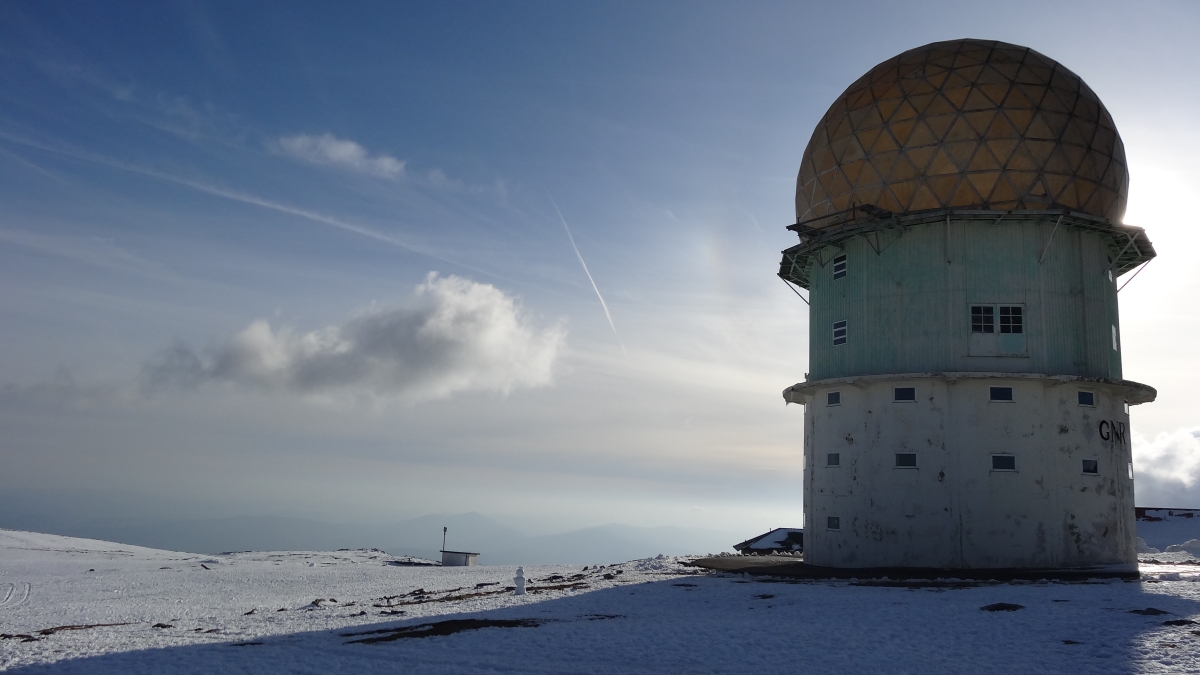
<point>519,582</point>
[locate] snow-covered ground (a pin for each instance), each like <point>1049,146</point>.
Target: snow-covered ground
<point>81,606</point>
<point>1167,529</point>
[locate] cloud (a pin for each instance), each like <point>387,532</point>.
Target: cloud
<point>330,150</point>
<point>454,335</point>
<point>63,392</point>
<point>1168,469</point>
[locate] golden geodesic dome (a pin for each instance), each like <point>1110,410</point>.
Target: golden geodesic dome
<point>970,124</point>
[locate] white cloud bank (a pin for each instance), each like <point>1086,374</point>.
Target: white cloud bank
<point>1168,469</point>
<point>456,335</point>
<point>332,151</point>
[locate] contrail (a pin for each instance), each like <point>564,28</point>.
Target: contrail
<point>244,198</point>
<point>579,255</point>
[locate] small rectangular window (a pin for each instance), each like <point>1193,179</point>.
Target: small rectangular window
<point>833,398</point>
<point>1091,466</point>
<point>833,523</point>
<point>1116,344</point>
<point>906,460</point>
<point>904,394</point>
<point>1004,463</point>
<point>983,319</point>
<point>1087,398</point>
<point>1001,394</point>
<point>839,332</point>
<point>1011,320</point>
<point>833,459</point>
<point>839,267</point>
<point>1131,471</point>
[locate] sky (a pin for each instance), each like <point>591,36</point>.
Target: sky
<point>371,262</point>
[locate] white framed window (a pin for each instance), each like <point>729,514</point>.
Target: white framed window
<point>833,459</point>
<point>904,394</point>
<point>1003,394</point>
<point>906,460</point>
<point>839,266</point>
<point>1012,319</point>
<point>997,330</point>
<point>1087,399</point>
<point>1004,462</point>
<point>983,319</point>
<point>833,398</point>
<point>839,332</point>
<point>1091,467</point>
<point>1116,341</point>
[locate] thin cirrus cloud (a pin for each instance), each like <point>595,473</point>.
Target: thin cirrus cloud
<point>455,335</point>
<point>329,150</point>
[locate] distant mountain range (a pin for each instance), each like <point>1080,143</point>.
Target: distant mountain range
<point>497,543</point>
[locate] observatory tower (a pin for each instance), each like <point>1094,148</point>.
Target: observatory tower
<point>959,211</point>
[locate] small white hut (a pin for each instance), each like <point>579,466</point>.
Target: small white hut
<point>459,559</point>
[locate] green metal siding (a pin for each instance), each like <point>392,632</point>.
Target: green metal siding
<point>907,306</point>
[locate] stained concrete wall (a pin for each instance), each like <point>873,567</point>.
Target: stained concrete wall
<point>953,510</point>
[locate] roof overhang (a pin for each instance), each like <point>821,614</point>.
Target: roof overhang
<point>1134,392</point>
<point>1131,244</point>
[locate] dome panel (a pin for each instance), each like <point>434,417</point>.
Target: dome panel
<point>965,124</point>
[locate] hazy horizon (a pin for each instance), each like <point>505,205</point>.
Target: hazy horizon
<point>499,541</point>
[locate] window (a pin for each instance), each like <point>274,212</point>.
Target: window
<point>833,459</point>
<point>839,267</point>
<point>997,330</point>
<point>1087,398</point>
<point>833,523</point>
<point>1010,319</point>
<point>1001,394</point>
<point>1131,471</point>
<point>1116,344</point>
<point>833,398</point>
<point>906,460</point>
<point>1004,463</point>
<point>905,394</point>
<point>1091,466</point>
<point>839,332</point>
<point>983,319</point>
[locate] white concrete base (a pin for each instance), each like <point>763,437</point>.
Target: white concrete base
<point>953,510</point>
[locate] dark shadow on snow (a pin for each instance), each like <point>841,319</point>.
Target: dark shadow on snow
<point>673,627</point>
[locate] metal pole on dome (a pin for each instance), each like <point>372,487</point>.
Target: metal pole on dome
<point>1042,258</point>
